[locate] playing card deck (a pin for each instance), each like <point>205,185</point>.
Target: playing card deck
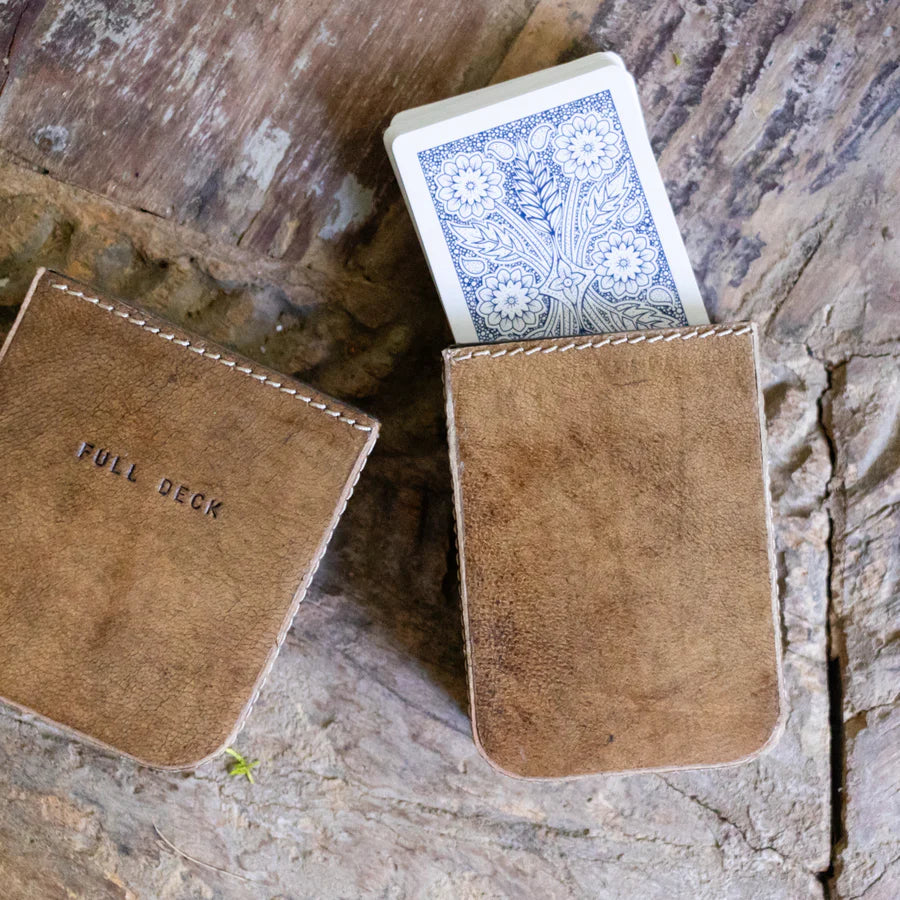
<point>541,210</point>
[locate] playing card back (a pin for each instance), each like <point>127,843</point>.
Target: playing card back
<point>544,215</point>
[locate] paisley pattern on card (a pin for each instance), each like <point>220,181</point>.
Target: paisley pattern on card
<point>549,228</point>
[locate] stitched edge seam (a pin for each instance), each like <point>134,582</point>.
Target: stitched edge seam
<point>218,357</point>
<point>608,342</point>
<point>297,601</point>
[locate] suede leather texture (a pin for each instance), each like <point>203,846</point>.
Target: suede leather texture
<point>615,550</point>
<point>142,617</point>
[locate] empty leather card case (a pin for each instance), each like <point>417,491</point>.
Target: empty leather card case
<point>615,550</point>
<point>163,507</point>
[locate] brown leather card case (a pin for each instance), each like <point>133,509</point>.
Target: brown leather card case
<point>615,550</point>
<point>163,507</point>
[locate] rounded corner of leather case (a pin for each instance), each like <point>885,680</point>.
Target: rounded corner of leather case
<point>509,770</point>
<point>503,767</point>
<point>770,735</point>
<point>185,760</point>
<point>162,756</point>
<point>496,764</point>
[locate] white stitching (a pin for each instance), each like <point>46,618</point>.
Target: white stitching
<point>299,597</point>
<point>552,348</point>
<point>202,351</point>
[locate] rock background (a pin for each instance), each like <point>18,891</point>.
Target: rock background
<point>776,131</point>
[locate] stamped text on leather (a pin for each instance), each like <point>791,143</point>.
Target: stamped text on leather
<point>113,464</point>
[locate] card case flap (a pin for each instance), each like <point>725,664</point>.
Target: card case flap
<point>142,616</point>
<point>615,550</point>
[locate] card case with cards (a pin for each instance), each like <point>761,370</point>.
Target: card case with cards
<point>615,550</point>
<point>163,508</point>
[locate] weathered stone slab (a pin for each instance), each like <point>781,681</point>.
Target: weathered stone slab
<point>866,420</point>
<point>257,124</point>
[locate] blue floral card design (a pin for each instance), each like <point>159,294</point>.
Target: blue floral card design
<point>551,224</point>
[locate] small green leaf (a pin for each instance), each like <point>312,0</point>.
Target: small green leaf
<point>241,766</point>
<point>676,58</point>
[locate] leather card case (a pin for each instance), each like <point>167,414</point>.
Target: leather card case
<point>615,551</point>
<point>163,508</point>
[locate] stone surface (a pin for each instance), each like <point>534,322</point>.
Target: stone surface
<point>775,133</point>
<point>866,417</point>
<point>277,108</point>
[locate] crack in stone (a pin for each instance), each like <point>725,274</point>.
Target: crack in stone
<point>872,884</point>
<point>820,237</point>
<point>858,354</point>
<point>7,56</point>
<point>833,652</point>
<point>520,825</point>
<point>868,519</point>
<point>890,704</point>
<point>723,819</point>
<point>656,839</point>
